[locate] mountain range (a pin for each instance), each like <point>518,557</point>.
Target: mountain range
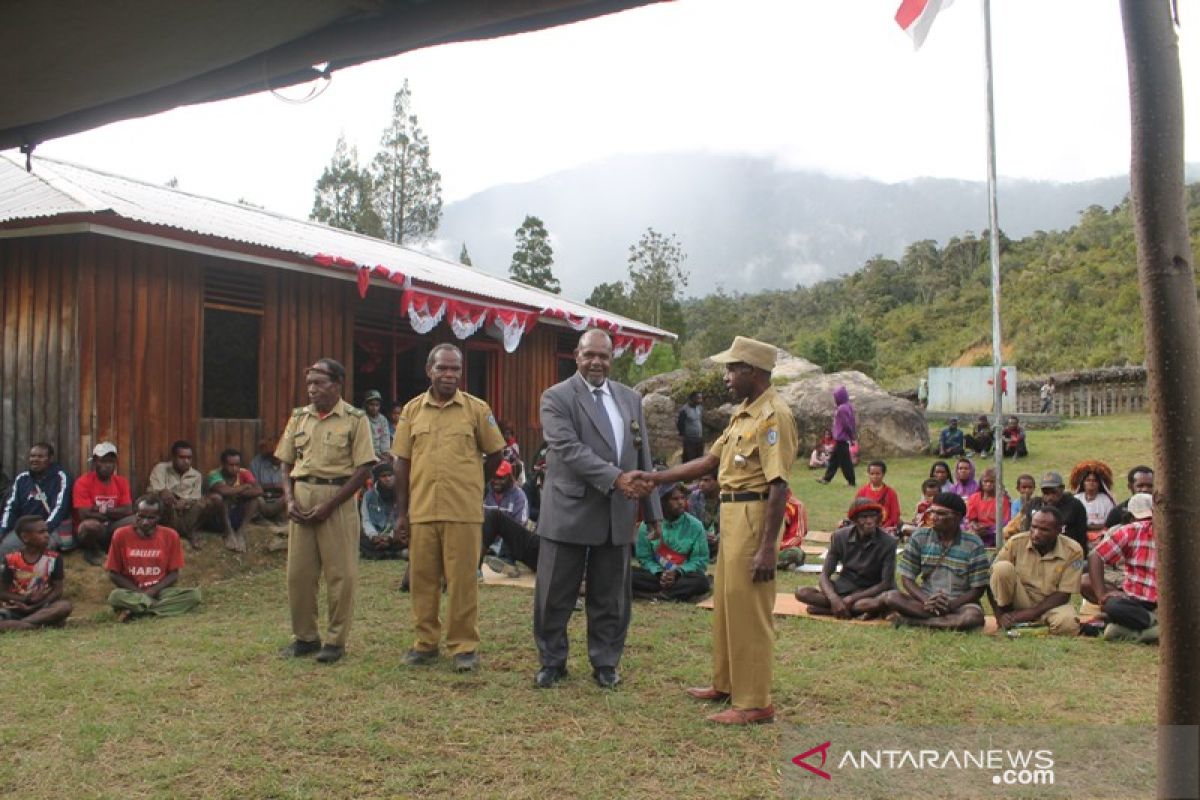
<point>746,224</point>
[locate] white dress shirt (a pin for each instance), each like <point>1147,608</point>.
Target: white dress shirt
<point>614,413</point>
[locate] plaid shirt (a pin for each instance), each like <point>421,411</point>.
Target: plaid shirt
<point>1134,545</point>
<point>955,570</point>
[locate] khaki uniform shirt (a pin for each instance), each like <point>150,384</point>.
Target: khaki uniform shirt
<point>1060,570</point>
<point>444,445</point>
<point>186,486</point>
<point>759,445</point>
<point>333,447</point>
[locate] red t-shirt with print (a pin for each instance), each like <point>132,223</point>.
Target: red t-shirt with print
<point>145,561</point>
<point>91,492</point>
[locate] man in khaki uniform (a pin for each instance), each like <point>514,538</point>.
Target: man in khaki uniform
<point>1035,574</point>
<point>441,441</point>
<point>327,454</point>
<point>754,456</point>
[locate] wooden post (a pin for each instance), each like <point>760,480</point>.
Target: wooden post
<point>1168,299</point>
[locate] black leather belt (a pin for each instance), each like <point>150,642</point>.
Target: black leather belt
<point>323,481</point>
<point>743,497</point>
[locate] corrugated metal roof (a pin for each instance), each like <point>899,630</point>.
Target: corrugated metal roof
<point>56,188</point>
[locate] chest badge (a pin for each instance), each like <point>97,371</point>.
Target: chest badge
<point>772,436</point>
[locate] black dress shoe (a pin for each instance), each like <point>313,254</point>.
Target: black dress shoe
<point>547,677</point>
<point>606,677</point>
<point>330,653</point>
<point>299,649</point>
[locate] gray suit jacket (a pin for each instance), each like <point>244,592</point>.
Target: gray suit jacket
<point>580,504</point>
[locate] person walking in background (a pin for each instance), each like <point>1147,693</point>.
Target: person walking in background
<point>845,431</point>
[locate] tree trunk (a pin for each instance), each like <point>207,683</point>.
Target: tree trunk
<point>1168,296</point>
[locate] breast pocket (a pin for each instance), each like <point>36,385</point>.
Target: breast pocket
<point>422,439</point>
<point>300,444</point>
<point>462,444</point>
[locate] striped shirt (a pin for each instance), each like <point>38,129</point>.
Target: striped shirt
<point>955,570</point>
<point>1134,545</point>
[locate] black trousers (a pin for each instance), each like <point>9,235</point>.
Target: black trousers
<point>687,586</point>
<point>522,543</point>
<point>561,567</point>
<point>980,444</point>
<point>840,458</point>
<point>1131,613</point>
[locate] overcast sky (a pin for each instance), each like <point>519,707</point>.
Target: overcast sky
<point>833,86</point>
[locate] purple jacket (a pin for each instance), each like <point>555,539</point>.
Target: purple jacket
<point>844,429</point>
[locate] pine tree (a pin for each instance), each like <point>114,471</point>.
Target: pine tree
<point>656,279</point>
<point>343,194</point>
<point>534,256</point>
<point>464,257</point>
<point>407,189</point>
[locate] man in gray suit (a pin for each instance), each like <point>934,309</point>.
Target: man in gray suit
<point>595,433</point>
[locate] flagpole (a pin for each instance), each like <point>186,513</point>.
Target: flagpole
<point>994,247</point>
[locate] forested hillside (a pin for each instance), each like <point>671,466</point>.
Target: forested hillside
<point>1069,299</point>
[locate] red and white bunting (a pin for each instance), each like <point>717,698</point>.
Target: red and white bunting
<point>466,318</point>
<point>424,311</point>
<point>512,325</point>
<point>364,271</point>
<point>577,322</point>
<point>642,347</point>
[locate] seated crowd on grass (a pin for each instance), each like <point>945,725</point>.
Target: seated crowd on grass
<point>1052,546</point>
<point>1053,543</point>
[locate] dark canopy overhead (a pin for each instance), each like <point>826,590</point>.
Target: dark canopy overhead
<point>71,65</point>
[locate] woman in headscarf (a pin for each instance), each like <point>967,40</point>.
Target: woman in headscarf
<point>1091,481</point>
<point>845,431</point>
<point>965,484</point>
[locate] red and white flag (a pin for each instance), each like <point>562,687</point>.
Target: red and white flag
<point>915,17</point>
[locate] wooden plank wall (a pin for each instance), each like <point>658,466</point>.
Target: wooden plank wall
<point>139,337</point>
<point>524,375</point>
<point>305,317</point>
<point>38,362</point>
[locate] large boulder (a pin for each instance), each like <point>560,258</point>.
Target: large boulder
<point>887,425</point>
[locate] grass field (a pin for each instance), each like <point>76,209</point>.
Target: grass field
<point>201,706</point>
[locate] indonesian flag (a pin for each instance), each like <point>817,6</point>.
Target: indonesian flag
<point>915,17</point>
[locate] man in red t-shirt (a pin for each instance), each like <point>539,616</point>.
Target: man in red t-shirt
<point>102,503</point>
<point>144,560</point>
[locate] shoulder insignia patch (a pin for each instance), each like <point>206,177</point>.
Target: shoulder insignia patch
<point>491,420</point>
<point>772,436</point>
<point>299,412</point>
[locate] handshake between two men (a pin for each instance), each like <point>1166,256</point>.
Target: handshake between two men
<point>636,483</point>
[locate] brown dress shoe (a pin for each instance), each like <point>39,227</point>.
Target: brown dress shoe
<point>743,716</point>
<point>707,693</point>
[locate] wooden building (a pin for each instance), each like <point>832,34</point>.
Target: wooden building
<point>141,314</point>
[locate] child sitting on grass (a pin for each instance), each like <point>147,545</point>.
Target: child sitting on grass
<point>31,581</point>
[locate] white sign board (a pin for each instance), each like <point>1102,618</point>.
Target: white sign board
<point>969,390</point>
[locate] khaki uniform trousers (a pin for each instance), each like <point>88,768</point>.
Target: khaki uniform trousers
<point>1009,591</point>
<point>450,550</point>
<point>328,549</point>
<point>743,628</point>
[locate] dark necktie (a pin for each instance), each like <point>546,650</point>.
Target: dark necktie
<point>598,394</point>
